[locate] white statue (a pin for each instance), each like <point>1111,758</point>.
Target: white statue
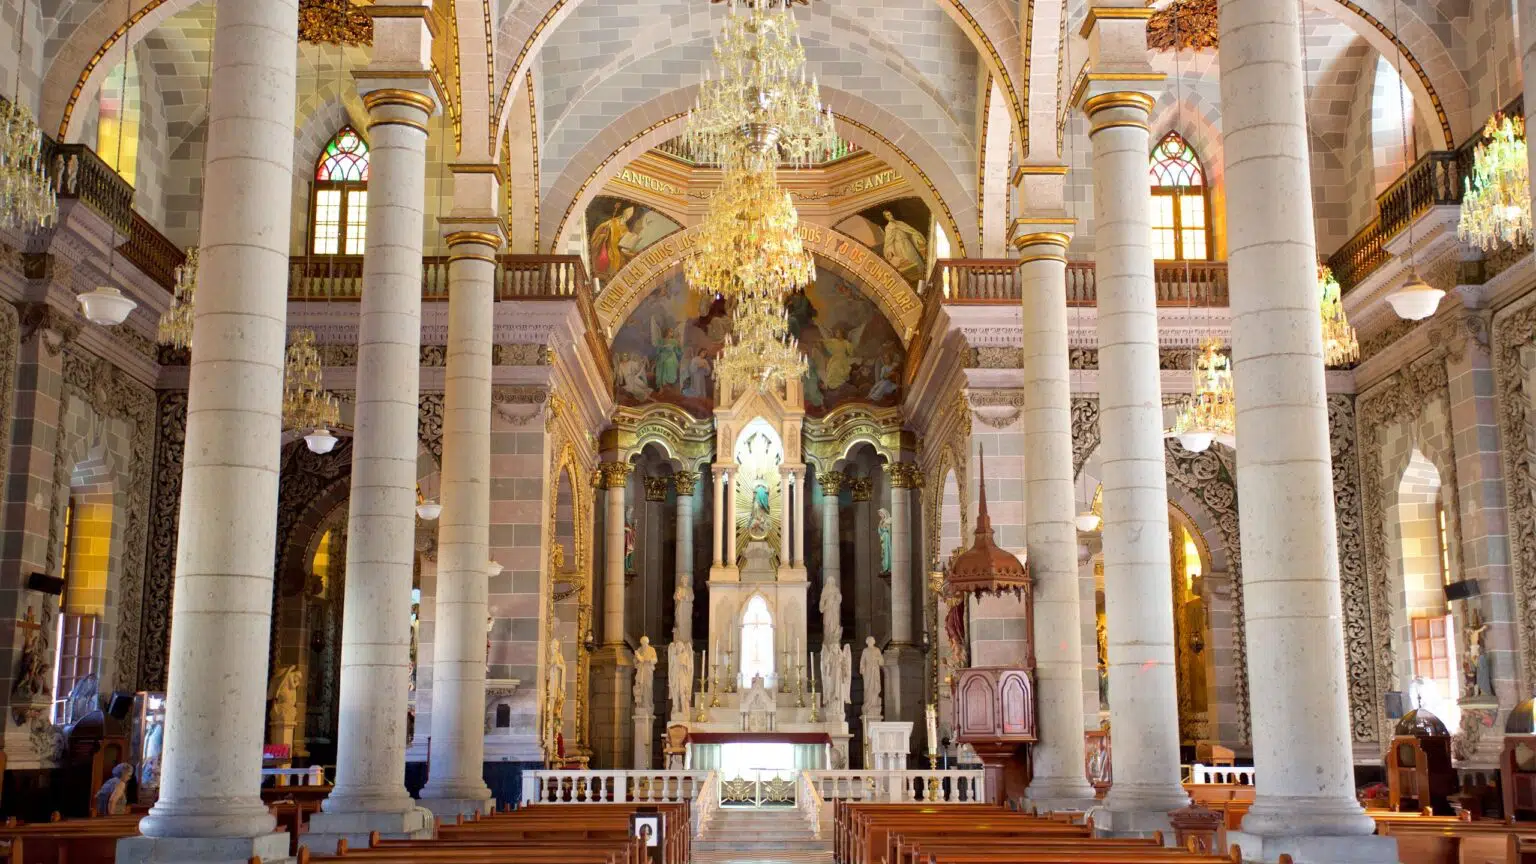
<point>284,693</point>
<point>683,621</point>
<point>905,248</point>
<point>554,683</point>
<point>831,606</point>
<point>645,677</point>
<point>758,706</point>
<point>834,682</point>
<point>871,663</point>
<point>845,675</point>
<point>680,677</point>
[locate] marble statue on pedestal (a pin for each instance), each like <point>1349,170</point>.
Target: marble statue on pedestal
<point>834,680</point>
<point>554,685</point>
<point>645,677</point>
<point>680,677</point>
<point>831,606</point>
<point>871,662</point>
<point>284,716</point>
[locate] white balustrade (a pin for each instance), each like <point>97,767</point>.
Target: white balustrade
<point>612,787</point>
<point>952,787</point>
<point>1238,775</point>
<point>706,803</point>
<point>808,801</point>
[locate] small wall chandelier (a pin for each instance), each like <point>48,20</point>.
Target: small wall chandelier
<point>306,404</point>
<point>1496,204</point>
<point>749,240</point>
<point>176,321</point>
<point>760,108</point>
<point>1340,347</point>
<point>1211,412</point>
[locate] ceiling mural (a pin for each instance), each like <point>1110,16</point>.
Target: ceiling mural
<point>897,231</point>
<point>665,352</point>
<point>619,229</point>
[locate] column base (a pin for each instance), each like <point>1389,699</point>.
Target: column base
<point>724,573</point>
<point>1056,794</point>
<point>1133,813</point>
<point>325,829</point>
<point>270,848</point>
<point>1313,849</point>
<point>450,809</point>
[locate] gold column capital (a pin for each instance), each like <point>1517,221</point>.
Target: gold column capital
<point>832,483</point>
<point>904,475</point>
<point>686,482</point>
<point>614,475</point>
<point>656,488</point>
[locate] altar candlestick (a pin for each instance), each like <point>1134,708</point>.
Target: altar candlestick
<point>933,730</point>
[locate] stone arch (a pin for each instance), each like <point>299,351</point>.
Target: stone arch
<point>644,126</point>
<point>1414,509</point>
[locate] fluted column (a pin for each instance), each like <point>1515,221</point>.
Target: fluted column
<point>682,622</point>
<point>1138,604</point>
<point>381,522</point>
<point>210,804</point>
<point>457,764</point>
<point>798,482</point>
<point>786,520</point>
<point>615,480</point>
<point>904,478</point>
<point>1305,804</point>
<point>831,561</point>
<point>1058,782</point>
<point>717,528</point>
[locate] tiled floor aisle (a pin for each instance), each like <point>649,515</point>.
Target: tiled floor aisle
<point>761,837</point>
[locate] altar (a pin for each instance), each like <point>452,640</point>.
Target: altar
<point>749,754</point>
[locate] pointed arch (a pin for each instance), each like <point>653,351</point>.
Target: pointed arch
<point>1181,203</point>
<point>338,210</point>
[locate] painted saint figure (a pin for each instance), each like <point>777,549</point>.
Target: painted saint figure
<point>605,247</point>
<point>629,539</point>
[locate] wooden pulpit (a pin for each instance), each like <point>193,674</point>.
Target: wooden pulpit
<point>995,715</point>
<point>1420,777</point>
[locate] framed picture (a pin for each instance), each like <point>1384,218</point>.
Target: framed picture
<point>647,824</point>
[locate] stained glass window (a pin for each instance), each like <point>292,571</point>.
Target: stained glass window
<point>339,220</point>
<point>1180,208</point>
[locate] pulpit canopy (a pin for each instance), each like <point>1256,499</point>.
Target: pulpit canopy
<point>1421,724</point>
<point>1522,719</point>
<point>985,568</point>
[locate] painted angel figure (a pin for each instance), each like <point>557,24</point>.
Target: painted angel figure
<point>839,348</point>
<point>669,354</point>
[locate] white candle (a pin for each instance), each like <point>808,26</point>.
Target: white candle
<point>933,731</point>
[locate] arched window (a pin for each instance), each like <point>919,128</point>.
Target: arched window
<point>339,212</point>
<point>1180,209</point>
<point>757,642</point>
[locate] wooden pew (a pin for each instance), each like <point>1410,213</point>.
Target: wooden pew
<point>1449,840</point>
<point>77,841</point>
<point>627,851</point>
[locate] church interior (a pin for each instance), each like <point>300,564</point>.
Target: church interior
<point>767,431</point>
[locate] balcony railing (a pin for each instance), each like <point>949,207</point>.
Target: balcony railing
<point>150,251</point>
<point>989,282</point>
<point>79,174</point>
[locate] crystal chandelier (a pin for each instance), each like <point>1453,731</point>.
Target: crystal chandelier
<point>760,108</point>
<point>1496,205</point>
<point>306,404</point>
<point>760,347</point>
<point>1211,412</point>
<point>176,321</point>
<point>1340,347</point>
<point>27,197</point>
<point>749,240</point>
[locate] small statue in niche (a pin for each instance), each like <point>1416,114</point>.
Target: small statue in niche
<point>885,542</point>
<point>1477,669</point>
<point>554,683</point>
<point>645,677</point>
<point>32,678</point>
<point>284,693</point>
<point>629,540</point>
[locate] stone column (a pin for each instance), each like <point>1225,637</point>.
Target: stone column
<point>860,491</point>
<point>786,517</point>
<point>615,480</point>
<point>799,484</point>
<point>730,518</point>
<point>1305,804</point>
<point>381,523</point>
<point>1058,782</point>
<point>831,559</point>
<point>682,622</point>
<point>210,806</point>
<point>456,771</point>
<point>1138,604</point>
<point>717,529</point>
<point>902,658</point>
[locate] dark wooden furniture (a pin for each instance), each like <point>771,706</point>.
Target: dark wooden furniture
<point>995,714</point>
<point>1420,777</point>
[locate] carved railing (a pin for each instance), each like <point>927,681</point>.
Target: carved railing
<point>152,252</point>
<point>980,282</point>
<point>613,787</point>
<point>79,174</point>
<point>950,786</point>
<point>809,802</point>
<point>1360,255</point>
<point>518,277</point>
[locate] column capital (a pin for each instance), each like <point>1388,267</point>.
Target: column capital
<point>832,483</point>
<point>614,475</point>
<point>656,487</point>
<point>400,99</point>
<point>861,489</point>
<point>904,475</point>
<point>1042,237</point>
<point>686,482</point>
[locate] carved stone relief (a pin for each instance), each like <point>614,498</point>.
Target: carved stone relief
<point>1353,585</point>
<point>1512,336</point>
<point>160,568</point>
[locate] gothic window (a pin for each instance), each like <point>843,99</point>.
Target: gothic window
<point>1180,207</point>
<point>339,213</point>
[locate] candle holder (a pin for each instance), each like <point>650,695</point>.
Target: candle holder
<point>933,761</point>
<point>799,692</point>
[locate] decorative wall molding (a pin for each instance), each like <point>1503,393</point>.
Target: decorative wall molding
<point>1513,334</point>
<point>160,564</point>
<point>1354,587</point>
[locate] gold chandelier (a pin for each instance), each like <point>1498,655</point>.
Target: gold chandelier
<point>307,406</point>
<point>1340,347</point>
<point>760,108</point>
<point>176,321</point>
<point>750,239</point>
<point>1211,412</point>
<point>1496,204</point>
<point>27,197</point>
<point>760,347</point>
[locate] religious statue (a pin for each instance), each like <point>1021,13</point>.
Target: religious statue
<point>757,522</point>
<point>1477,669</point>
<point>831,606</point>
<point>680,677</point>
<point>871,664</point>
<point>845,675</point>
<point>32,679</point>
<point>554,683</point>
<point>885,540</point>
<point>645,677</point>
<point>112,797</point>
<point>835,691</point>
<point>284,693</point>
<point>683,619</point>
<point>905,248</point>
<point>629,540</point>
<point>758,706</point>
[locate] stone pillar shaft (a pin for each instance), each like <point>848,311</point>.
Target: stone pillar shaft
<point>1138,602</point>
<point>730,519</point>
<point>456,771</point>
<point>1058,781</point>
<point>831,559</point>
<point>799,514</point>
<point>786,518</point>
<point>615,482</point>
<point>381,523</point>
<point>210,805</point>
<point>1301,738</point>
<point>717,529</point>
<point>903,480</point>
<point>683,621</point>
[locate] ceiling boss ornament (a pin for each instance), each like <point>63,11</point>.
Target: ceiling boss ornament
<point>1183,25</point>
<point>334,22</point>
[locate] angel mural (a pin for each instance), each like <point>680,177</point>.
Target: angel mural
<point>854,353</point>
<point>668,353</point>
<point>665,352</point>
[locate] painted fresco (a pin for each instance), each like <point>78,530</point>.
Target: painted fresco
<point>665,352</point>
<point>897,231</point>
<point>619,229</point>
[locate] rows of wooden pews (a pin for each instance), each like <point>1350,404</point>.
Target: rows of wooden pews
<point>971,834</point>
<point>540,834</point>
<point>1451,840</point>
